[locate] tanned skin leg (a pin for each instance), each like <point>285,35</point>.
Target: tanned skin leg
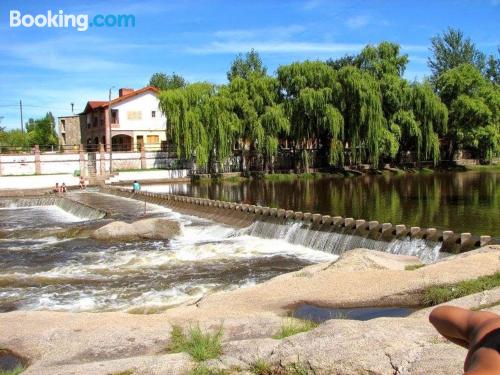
<point>479,332</point>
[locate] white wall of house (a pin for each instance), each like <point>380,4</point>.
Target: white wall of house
<point>136,114</point>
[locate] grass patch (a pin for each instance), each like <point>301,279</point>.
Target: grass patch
<point>488,167</point>
<point>412,267</point>
<point>435,295</point>
<point>260,367</point>
<point>204,370</point>
<point>485,306</point>
<point>198,344</point>
<point>126,372</point>
<point>292,326</point>
<point>16,371</point>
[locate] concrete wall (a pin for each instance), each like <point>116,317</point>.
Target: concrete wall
<point>42,163</point>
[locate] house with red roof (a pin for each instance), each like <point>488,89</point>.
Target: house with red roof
<point>136,120</point>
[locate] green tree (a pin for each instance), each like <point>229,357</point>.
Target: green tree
<point>202,124</point>
<point>384,59</point>
<point>262,119</point>
<point>452,49</point>
<point>311,96</point>
<point>493,68</point>
<point>244,66</point>
<point>474,106</point>
<point>163,81</point>
<point>42,131</point>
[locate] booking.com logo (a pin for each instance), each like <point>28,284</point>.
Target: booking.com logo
<point>79,22</point>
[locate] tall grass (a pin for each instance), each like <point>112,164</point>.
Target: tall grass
<point>198,344</point>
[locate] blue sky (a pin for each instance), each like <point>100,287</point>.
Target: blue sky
<point>50,68</point>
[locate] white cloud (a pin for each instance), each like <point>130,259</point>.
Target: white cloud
<point>65,54</point>
<point>285,47</point>
<point>279,32</point>
<point>357,22</point>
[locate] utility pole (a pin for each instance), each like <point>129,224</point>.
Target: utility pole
<point>72,106</point>
<point>110,134</point>
<point>21,110</point>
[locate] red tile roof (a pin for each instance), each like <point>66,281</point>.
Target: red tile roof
<point>96,104</point>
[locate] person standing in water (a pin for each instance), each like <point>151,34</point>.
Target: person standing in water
<point>136,187</point>
<point>476,331</point>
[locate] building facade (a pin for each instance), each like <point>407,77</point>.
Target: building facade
<point>136,121</point>
<point>70,131</point>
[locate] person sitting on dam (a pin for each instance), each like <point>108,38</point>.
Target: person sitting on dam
<point>476,331</point>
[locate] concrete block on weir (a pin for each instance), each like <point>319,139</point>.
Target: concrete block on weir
<point>289,214</point>
<point>414,231</point>
<point>337,220</point>
<point>400,228</point>
<point>265,211</point>
<point>316,218</point>
<point>373,224</point>
<point>244,207</point>
<point>464,237</point>
<point>447,234</point>
<point>360,223</point>
<point>251,208</point>
<point>484,240</point>
<point>349,222</point>
<point>258,210</point>
<point>281,213</point>
<point>307,216</point>
<point>298,215</point>
<point>273,212</point>
<point>326,219</point>
<point>430,232</point>
<point>386,227</point>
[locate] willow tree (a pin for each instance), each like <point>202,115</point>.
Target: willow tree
<point>432,117</point>
<point>311,94</point>
<point>252,99</point>
<point>200,123</point>
<point>363,116</point>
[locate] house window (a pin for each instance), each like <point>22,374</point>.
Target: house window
<point>153,113</point>
<point>134,115</point>
<point>153,139</point>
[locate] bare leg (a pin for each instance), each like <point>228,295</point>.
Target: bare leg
<point>479,332</point>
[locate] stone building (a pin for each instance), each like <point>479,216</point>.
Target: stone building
<point>70,131</point>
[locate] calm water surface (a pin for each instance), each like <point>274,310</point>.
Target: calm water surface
<point>459,201</point>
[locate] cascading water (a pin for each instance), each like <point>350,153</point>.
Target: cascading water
<point>77,209</point>
<point>335,240</point>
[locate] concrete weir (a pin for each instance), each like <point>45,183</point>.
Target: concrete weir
<point>324,232</point>
<point>77,209</point>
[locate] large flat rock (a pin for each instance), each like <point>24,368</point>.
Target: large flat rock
<point>105,343</point>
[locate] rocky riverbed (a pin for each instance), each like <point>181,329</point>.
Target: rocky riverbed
<point>113,342</point>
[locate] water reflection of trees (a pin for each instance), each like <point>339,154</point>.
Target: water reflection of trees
<point>468,201</point>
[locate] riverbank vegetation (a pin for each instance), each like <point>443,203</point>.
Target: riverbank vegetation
<point>352,110</point>
<point>437,294</point>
